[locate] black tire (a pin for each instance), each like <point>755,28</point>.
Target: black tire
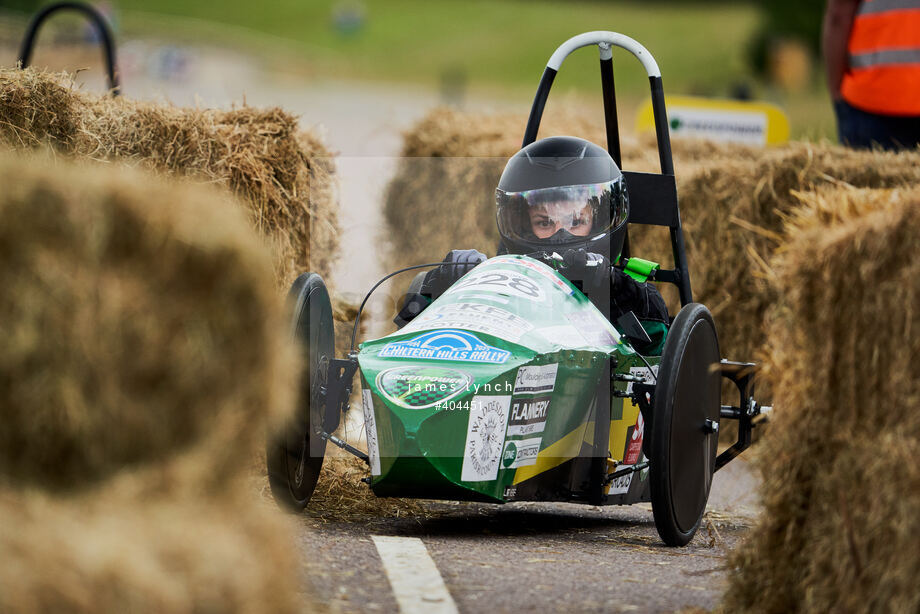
<point>683,449</point>
<point>295,453</point>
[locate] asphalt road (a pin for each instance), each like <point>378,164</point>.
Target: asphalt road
<point>536,556</point>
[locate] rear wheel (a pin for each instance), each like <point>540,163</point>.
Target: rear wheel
<point>295,452</point>
<point>684,429</point>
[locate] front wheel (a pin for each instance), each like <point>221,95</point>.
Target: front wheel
<point>295,452</point>
<point>684,429</point>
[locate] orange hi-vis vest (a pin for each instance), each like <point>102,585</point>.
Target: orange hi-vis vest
<point>884,49</point>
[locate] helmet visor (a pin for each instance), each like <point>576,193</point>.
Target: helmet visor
<point>588,211</point>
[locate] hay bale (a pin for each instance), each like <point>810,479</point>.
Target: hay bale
<point>733,213</point>
<point>105,553</point>
<point>283,176</point>
<point>144,351</point>
<point>841,490</point>
<point>140,329</point>
<point>446,132</point>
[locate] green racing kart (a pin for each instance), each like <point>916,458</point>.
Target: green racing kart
<point>514,386</point>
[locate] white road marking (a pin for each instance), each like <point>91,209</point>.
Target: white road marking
<point>416,583</point>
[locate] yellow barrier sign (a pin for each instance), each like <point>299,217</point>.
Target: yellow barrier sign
<point>732,121</point>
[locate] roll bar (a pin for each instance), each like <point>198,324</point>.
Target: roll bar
<point>604,39</point>
<point>662,188</point>
<point>98,20</point>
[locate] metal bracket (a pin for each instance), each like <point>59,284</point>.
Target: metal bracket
<point>339,382</point>
<point>626,377</point>
<point>625,471</point>
<point>337,389</point>
<point>335,394</point>
<point>742,375</point>
<point>643,395</point>
<point>345,446</point>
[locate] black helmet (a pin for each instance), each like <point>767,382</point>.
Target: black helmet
<point>562,193</point>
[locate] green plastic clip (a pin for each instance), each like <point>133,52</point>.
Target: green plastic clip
<point>640,269</point>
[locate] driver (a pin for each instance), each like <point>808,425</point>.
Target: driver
<point>562,195</point>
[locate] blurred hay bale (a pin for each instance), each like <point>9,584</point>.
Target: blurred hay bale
<point>140,329</point>
<point>733,213</point>
<point>105,553</point>
<point>446,132</point>
<point>144,352</point>
<point>344,314</point>
<point>841,483</point>
<point>283,176</point>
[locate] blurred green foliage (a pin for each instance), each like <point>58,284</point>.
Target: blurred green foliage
<point>21,6</point>
<point>786,19</point>
<point>504,43</point>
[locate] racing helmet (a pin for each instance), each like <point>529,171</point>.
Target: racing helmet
<point>562,193</point>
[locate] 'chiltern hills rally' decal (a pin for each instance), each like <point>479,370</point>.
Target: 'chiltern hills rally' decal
<point>419,387</point>
<point>447,344</point>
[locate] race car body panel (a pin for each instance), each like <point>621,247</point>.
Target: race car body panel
<point>489,394</point>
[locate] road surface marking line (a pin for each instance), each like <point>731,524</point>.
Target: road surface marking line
<point>416,582</point>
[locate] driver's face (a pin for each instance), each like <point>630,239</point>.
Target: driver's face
<point>576,217</point>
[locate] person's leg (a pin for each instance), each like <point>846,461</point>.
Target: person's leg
<point>861,130</point>
<point>858,129</point>
<point>845,123</point>
<point>903,132</point>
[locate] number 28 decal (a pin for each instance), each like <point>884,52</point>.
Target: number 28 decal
<point>502,282</point>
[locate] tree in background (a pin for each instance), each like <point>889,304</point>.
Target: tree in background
<point>21,6</point>
<point>791,28</point>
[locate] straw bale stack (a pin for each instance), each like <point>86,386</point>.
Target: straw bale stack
<point>733,213</point>
<point>144,353</point>
<point>283,176</point>
<point>140,328</point>
<point>105,553</point>
<point>839,532</point>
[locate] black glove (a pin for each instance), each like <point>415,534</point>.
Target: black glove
<point>413,304</point>
<point>643,299</point>
<point>621,283</point>
<point>457,263</point>
<point>593,270</point>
